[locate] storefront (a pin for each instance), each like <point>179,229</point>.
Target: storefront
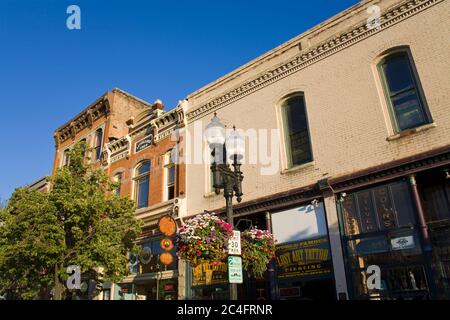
<point>152,277</point>
<point>403,228</point>
<point>303,267</point>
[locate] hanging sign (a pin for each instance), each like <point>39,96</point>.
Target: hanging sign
<point>235,269</point>
<point>234,244</point>
<point>168,226</point>
<point>209,274</point>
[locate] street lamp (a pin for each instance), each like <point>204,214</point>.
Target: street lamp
<point>225,150</point>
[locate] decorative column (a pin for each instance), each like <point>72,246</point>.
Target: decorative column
<point>334,235</point>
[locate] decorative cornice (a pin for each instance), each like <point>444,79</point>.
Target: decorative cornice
<point>83,120</point>
<point>303,60</point>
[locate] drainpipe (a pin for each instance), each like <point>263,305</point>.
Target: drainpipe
<point>425,235</point>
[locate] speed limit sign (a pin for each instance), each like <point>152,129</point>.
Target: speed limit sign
<point>234,244</point>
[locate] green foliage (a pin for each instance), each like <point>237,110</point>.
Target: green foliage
<point>79,222</point>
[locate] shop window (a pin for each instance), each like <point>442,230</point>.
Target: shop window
<point>382,208</point>
<point>402,91</point>
<point>296,131</point>
<point>436,200</point>
<point>98,144</point>
<point>142,184</point>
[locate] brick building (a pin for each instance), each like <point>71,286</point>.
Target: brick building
<point>362,113</point>
<point>132,140</point>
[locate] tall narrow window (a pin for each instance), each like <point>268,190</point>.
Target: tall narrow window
<point>118,180</point>
<point>298,145</point>
<point>402,92</point>
<point>83,147</point>
<point>142,184</point>
<point>170,176</point>
<point>98,144</point>
<point>66,158</point>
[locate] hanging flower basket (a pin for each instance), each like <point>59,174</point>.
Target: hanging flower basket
<point>258,248</point>
<point>203,238</point>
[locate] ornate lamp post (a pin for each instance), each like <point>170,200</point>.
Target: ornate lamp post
<point>224,150</point>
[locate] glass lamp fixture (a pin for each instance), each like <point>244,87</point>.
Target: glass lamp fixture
<point>235,146</point>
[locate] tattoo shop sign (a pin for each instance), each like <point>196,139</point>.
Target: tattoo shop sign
<point>303,258</point>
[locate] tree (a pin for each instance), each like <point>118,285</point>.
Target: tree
<point>79,222</point>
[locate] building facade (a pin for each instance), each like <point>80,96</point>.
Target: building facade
<point>133,141</point>
<point>350,168</point>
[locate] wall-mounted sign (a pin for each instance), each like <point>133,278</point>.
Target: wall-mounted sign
<point>235,269</point>
<point>166,258</point>
<point>303,258</point>
<point>234,244</point>
<point>144,143</point>
<point>166,244</point>
<point>167,226</point>
<point>209,274</point>
<point>403,243</point>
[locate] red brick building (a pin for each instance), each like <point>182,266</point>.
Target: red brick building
<point>132,140</point>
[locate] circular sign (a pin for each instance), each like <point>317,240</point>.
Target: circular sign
<point>146,255</point>
<point>166,258</point>
<point>166,244</point>
<point>167,226</point>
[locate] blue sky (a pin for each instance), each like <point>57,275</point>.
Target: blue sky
<point>153,49</point>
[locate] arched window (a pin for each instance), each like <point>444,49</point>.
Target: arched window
<point>296,131</point>
<point>142,184</point>
<point>118,179</point>
<point>98,144</point>
<point>403,95</point>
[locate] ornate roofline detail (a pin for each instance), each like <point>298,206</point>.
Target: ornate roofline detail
<point>84,120</point>
<point>303,60</point>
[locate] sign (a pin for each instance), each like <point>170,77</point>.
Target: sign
<point>234,244</point>
<point>144,143</point>
<point>403,243</point>
<point>168,226</point>
<point>166,258</point>
<point>303,258</point>
<point>209,274</point>
<point>235,269</point>
<point>166,244</point>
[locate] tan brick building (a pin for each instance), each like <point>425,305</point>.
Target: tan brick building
<point>361,111</point>
<point>132,140</point>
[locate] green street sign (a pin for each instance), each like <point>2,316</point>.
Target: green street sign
<point>235,269</point>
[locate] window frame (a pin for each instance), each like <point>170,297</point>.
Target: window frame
<point>285,125</point>
<point>137,179</point>
<point>98,144</point>
<point>169,165</point>
<point>417,87</point>
<point>118,190</point>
